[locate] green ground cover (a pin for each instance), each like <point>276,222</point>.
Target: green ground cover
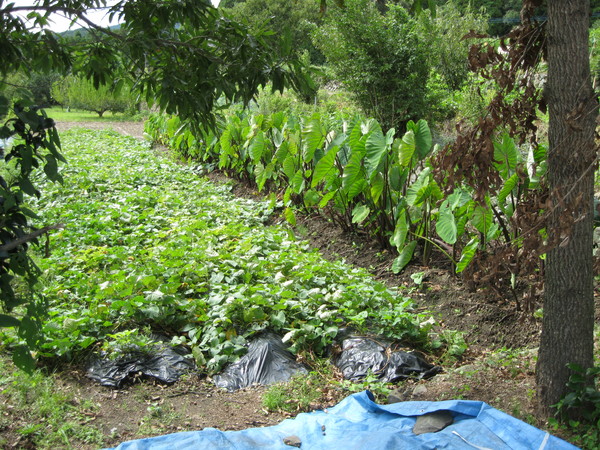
<point>151,247</point>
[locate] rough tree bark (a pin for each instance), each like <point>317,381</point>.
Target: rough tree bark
<point>567,330</point>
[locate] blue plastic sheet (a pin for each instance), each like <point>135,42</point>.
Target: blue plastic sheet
<point>359,423</point>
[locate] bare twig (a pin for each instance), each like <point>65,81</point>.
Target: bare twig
<point>29,237</point>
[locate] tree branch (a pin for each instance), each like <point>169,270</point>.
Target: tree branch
<point>29,237</point>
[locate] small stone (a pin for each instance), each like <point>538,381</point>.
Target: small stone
<point>467,369</point>
<point>419,390</point>
<point>433,422</point>
<point>293,441</point>
<point>395,396</point>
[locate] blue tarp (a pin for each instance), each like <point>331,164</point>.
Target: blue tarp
<point>357,422</point>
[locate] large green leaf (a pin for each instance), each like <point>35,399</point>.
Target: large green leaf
<point>376,148</point>
<point>297,182</point>
<point>282,152</point>
<point>429,192</point>
<point>462,215</point>
<point>289,167</point>
<point>326,199</point>
<point>313,136</point>
<point>377,187</point>
<point>278,119</point>
<point>405,256</point>
<point>400,232</point>
<point>22,358</point>
<point>225,140</point>
<point>446,226</point>
<point>257,147</point>
<point>353,175</point>
<point>482,219</point>
<point>262,174</point>
<point>457,199</point>
<point>467,255</point>
<point>419,190</point>
<point>325,166</point>
<point>9,321</point>
<point>539,153</point>
<point>406,148</point>
<point>355,189</point>
<point>508,187</point>
<point>173,125</point>
<point>423,139</point>
<point>360,213</point>
<point>356,140</point>
<point>289,215</point>
<point>277,137</point>
<point>506,156</point>
<point>397,177</point>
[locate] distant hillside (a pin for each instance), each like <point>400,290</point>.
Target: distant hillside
<point>82,33</point>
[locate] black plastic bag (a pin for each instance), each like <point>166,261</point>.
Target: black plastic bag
<point>361,356</point>
<point>268,361</point>
<point>162,362</point>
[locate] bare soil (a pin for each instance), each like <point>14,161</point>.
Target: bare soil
<point>502,379</point>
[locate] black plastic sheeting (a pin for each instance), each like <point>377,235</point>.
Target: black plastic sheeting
<point>162,362</point>
<point>362,355</point>
<point>268,361</point>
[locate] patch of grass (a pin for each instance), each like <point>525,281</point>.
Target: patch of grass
<point>301,393</point>
<point>305,392</point>
<point>513,361</point>
<point>41,413</point>
<point>159,420</point>
<point>62,115</point>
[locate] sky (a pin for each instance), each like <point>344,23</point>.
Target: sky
<point>60,23</point>
<point>99,16</point>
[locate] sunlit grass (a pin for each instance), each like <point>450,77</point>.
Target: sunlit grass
<point>62,115</point>
<point>48,417</point>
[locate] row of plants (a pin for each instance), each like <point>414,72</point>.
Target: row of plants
<point>363,178</point>
<point>157,249</point>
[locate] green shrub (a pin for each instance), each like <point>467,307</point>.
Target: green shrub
<point>379,58</point>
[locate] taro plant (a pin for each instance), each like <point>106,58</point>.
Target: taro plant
<point>416,194</point>
<point>363,178</point>
<point>495,227</point>
<point>358,176</point>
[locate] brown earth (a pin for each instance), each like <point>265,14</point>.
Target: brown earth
<point>504,379</point>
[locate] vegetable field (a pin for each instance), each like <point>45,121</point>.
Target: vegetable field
<point>150,247</point>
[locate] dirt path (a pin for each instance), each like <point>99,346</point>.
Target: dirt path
<point>135,129</point>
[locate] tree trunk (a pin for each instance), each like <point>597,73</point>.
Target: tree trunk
<point>567,329</point>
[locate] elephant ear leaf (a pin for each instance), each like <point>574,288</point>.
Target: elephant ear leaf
<point>314,136</point>
<point>399,237</point>
<point>423,139</point>
<point>360,213</point>
<point>405,256</point>
<point>257,147</point>
<point>467,255</point>
<point>406,148</point>
<point>376,147</point>
<point>506,156</point>
<point>324,166</point>
<point>446,225</point>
